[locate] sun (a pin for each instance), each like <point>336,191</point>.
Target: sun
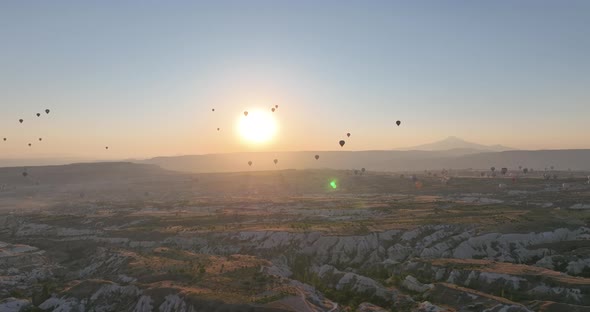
<point>257,127</point>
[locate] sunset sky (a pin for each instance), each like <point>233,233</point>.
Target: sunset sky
<point>142,76</point>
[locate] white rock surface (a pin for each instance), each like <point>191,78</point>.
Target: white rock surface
<point>13,304</point>
<point>411,283</point>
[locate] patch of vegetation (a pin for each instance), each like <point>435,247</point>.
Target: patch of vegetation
<point>275,297</point>
<point>346,296</point>
<point>585,272</point>
<point>43,292</point>
<point>300,267</point>
<point>349,297</point>
<point>560,265</point>
<point>17,293</point>
<point>515,296</point>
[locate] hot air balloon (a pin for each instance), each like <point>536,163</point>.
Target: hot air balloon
<point>356,172</point>
<point>250,163</point>
<point>272,109</point>
<point>213,109</point>
<point>217,129</point>
<point>504,170</point>
<point>276,161</point>
<point>20,120</point>
<point>40,139</point>
<point>348,134</point>
<point>30,144</point>
<point>277,106</point>
<point>47,111</point>
<point>25,174</point>
<point>341,143</point>
<point>316,156</point>
<point>246,113</point>
<point>363,170</point>
<point>493,169</point>
<point>525,170</point>
<point>398,123</point>
<point>38,114</point>
<point>106,147</point>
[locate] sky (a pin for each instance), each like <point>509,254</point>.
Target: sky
<point>142,76</point>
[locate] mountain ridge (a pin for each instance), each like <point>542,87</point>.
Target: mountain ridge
<point>375,160</point>
<point>576,159</point>
<point>456,143</point>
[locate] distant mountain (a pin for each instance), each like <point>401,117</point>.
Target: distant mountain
<point>43,161</point>
<point>81,173</point>
<point>236,162</point>
<point>458,145</point>
<point>375,160</point>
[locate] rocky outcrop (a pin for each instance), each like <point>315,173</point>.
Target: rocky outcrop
<point>369,307</point>
<point>35,229</point>
<point>102,295</point>
<point>98,295</point>
<point>503,278</point>
<point>438,241</point>
<point>349,281</point>
<point>104,263</point>
<point>14,304</point>
<point>431,241</point>
<point>550,306</point>
<point>514,247</point>
<point>573,264</point>
<point>464,299</point>
<point>328,255</point>
<point>22,266</point>
<point>427,306</point>
<point>412,284</point>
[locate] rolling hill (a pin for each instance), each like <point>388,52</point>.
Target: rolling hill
<point>375,160</point>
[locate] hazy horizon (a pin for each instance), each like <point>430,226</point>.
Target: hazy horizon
<point>143,77</point>
<point>452,151</point>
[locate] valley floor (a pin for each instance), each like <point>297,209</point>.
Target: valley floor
<point>283,241</point>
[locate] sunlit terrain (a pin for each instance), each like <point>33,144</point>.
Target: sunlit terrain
<point>129,237</point>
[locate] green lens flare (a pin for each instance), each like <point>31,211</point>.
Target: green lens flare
<point>333,184</point>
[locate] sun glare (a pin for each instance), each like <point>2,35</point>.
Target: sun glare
<point>258,126</point>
